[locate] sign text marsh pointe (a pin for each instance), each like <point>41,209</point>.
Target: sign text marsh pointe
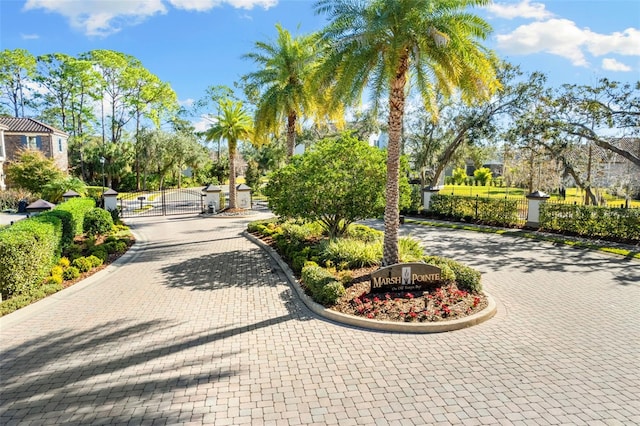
<point>405,277</point>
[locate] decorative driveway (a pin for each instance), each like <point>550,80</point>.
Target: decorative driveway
<point>200,326</point>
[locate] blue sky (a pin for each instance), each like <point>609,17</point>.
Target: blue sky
<point>194,44</point>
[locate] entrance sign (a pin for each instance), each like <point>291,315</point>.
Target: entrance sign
<point>405,277</point>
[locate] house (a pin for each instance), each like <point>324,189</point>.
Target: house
<point>2,157</point>
<point>17,134</point>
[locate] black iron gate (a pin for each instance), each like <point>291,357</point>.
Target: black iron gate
<point>161,203</point>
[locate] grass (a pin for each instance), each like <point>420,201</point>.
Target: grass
<point>573,194</point>
<point>531,235</point>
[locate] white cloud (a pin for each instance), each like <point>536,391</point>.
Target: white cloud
<point>105,17</point>
<point>611,64</point>
<point>100,17</point>
<point>524,9</point>
<point>556,36</point>
<point>186,103</point>
<point>623,43</point>
<point>29,36</point>
<point>562,37</point>
<point>204,5</point>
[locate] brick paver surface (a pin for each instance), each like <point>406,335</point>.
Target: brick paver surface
<point>201,327</point>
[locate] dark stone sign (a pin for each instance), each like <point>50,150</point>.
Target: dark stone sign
<point>404,277</point>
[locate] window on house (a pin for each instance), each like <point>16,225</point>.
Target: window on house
<point>32,142</point>
<point>59,144</point>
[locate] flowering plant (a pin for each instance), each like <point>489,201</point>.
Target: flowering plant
<point>441,303</point>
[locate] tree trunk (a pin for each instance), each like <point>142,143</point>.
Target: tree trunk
<point>291,134</point>
<point>232,174</point>
<point>391,252</point>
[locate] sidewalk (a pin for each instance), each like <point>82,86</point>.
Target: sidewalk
<point>201,327</point>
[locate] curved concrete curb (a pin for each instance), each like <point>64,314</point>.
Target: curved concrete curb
<point>390,326</point>
<point>28,311</point>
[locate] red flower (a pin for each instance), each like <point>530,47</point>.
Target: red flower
<point>387,296</point>
<point>413,314</point>
<point>476,301</point>
<point>375,299</point>
<point>369,315</point>
<point>409,296</point>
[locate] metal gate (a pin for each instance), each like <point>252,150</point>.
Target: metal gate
<point>161,203</point>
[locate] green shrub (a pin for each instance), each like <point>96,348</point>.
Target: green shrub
<point>349,253</point>
<point>95,261</point>
<point>71,273</point>
<point>10,198</point>
<point>364,233</point>
<point>115,215</point>
<point>97,222</point>
<point>100,252</point>
<point>73,252</point>
<point>54,279</point>
<point>68,229</point>
<point>57,270</point>
<point>324,288</point>
<point>482,176</point>
<point>82,264</point>
<point>466,277</point>
<point>24,299</point>
<point>28,250</point>
<point>116,247</point>
<point>492,211</point>
<point>592,221</point>
<point>410,249</point>
<point>78,208</point>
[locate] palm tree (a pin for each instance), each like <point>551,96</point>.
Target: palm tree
<point>283,84</point>
<point>234,124</point>
<point>388,44</point>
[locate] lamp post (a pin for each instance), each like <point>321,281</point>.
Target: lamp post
<point>102,161</point>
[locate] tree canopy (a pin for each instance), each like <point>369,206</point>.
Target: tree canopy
<point>336,182</point>
<point>385,45</point>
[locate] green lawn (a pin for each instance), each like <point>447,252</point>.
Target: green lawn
<point>573,194</point>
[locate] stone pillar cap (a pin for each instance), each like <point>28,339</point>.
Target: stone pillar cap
<point>431,188</point>
<point>212,188</point>
<point>110,192</point>
<point>538,195</point>
<point>70,194</point>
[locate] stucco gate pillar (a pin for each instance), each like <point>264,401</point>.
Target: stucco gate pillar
<point>535,200</point>
<point>110,200</point>
<point>212,198</point>
<point>243,196</point>
<point>429,192</point>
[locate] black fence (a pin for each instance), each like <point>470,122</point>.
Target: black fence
<point>161,203</point>
<point>504,211</point>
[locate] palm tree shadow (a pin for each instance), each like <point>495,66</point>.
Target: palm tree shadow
<point>70,372</point>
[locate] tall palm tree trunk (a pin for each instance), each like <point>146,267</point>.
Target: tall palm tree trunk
<point>391,252</point>
<point>291,134</point>
<point>232,175</point>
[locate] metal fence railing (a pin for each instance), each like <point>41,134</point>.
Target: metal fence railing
<point>503,211</point>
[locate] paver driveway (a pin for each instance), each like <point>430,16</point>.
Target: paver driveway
<point>201,327</point>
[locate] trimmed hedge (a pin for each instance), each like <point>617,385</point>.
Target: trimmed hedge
<point>78,207</point>
<point>591,221</point>
<point>28,250</point>
<point>492,211</point>
<point>324,287</point>
<point>97,221</point>
<point>466,278</point>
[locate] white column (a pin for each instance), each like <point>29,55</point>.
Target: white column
<point>535,200</point>
<point>428,193</point>
<point>110,200</point>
